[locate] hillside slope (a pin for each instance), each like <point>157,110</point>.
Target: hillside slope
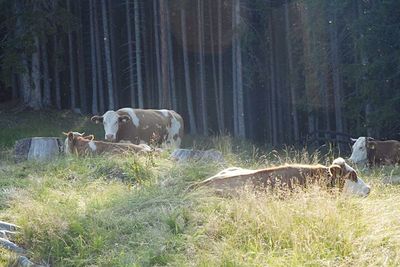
<point>136,210</point>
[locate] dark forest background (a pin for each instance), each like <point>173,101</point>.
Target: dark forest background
<point>272,71</point>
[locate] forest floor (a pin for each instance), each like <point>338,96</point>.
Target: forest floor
<point>136,210</point>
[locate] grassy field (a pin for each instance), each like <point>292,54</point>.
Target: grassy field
<point>136,211</point>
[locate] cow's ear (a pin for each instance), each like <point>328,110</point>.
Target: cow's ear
<point>64,133</point>
<point>353,140</point>
<point>370,145</point>
<point>124,118</point>
<point>70,136</point>
<point>352,176</point>
<point>97,119</point>
<point>89,137</point>
<point>335,170</point>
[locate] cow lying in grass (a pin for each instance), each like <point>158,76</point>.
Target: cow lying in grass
<point>339,175</point>
<point>367,150</point>
<point>76,143</point>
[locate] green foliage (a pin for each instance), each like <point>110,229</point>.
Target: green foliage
<point>23,20</point>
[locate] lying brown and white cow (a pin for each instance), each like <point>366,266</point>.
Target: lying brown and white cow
<point>367,150</point>
<point>76,143</point>
<point>147,126</point>
<point>339,175</point>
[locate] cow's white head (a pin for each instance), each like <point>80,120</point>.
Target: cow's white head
<point>359,150</point>
<point>111,121</point>
<point>352,184</point>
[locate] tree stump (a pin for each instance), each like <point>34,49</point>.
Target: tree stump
<point>38,148</point>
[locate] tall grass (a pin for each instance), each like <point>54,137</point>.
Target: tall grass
<point>136,211</point>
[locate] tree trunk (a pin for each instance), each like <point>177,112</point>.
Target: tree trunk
<point>336,76</point>
<point>214,69</point>
<point>171,64</point>
<point>158,59</point>
<point>14,80</point>
<point>25,80</point>
<point>99,61</point>
<point>46,76</point>
<point>36,99</point>
<point>114,55</point>
<point>71,64</point>
<point>309,72</point>
<point>166,101</point>
<point>234,72</point>
<point>107,51</point>
<point>24,75</point>
<point>192,121</point>
<point>240,102</point>
<point>57,86</point>
<point>363,62</point>
<point>138,55</point>
<point>292,89</point>
<point>147,63</point>
<point>95,107</point>
<point>81,63</point>
<point>273,99</point>
<point>130,56</point>
<point>203,100</point>
<point>220,70</point>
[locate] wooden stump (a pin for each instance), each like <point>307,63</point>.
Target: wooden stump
<point>38,148</point>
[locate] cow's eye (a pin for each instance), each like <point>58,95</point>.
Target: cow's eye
<point>360,148</point>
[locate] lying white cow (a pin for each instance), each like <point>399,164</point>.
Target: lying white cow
<point>367,150</point>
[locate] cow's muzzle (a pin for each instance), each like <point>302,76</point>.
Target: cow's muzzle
<point>110,137</point>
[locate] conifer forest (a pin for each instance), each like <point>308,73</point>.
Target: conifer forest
<point>272,71</point>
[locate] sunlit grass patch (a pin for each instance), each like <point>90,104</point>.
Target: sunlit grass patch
<point>312,228</point>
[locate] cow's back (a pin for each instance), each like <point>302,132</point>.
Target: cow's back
<point>291,175</point>
<point>283,176</point>
<point>383,152</point>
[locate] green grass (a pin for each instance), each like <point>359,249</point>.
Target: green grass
<point>136,211</point>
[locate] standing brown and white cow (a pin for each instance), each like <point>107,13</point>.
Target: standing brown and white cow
<point>147,126</point>
<point>368,150</point>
